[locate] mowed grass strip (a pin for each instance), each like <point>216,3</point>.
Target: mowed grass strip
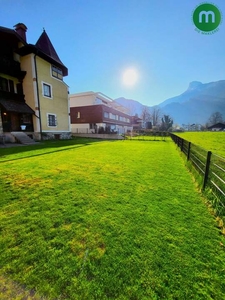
<point>107,220</point>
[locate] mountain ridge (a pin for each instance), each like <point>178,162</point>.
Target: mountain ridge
<point>195,105</point>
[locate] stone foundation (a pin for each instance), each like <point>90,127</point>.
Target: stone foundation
<point>53,136</point>
<point>103,136</point>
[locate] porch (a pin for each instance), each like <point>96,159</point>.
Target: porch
<point>15,114</point>
<point>14,121</point>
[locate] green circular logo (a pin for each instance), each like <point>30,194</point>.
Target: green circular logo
<point>207,17</point>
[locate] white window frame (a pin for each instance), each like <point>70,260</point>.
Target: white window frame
<point>43,90</point>
<point>112,116</point>
<point>56,69</point>
<point>56,123</point>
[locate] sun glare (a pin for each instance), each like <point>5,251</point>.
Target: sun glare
<point>130,77</point>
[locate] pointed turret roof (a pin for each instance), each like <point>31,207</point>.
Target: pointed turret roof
<point>45,50</point>
<point>44,44</point>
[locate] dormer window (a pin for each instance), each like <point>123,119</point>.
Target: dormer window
<point>57,72</point>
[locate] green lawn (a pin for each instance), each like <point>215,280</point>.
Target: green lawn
<point>212,141</point>
<point>106,220</point>
<point>148,136</point>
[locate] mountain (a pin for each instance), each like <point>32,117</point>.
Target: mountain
<point>195,105</point>
<point>133,106</point>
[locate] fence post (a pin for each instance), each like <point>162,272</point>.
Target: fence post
<point>182,145</point>
<point>189,150</point>
<point>206,175</point>
<point>175,139</point>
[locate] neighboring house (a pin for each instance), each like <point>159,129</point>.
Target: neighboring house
<point>33,95</point>
<point>96,113</point>
<point>217,127</point>
<point>137,123</point>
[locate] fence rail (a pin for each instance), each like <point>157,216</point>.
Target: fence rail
<point>210,167</point>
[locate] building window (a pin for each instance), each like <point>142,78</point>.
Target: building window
<point>57,72</point>
<point>11,86</point>
<point>122,119</point>
<point>106,114</point>
<point>52,122</point>
<point>47,90</point>
<point>92,126</point>
<point>6,85</point>
<point>78,115</point>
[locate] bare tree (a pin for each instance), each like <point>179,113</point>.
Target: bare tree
<point>145,115</point>
<point>155,115</point>
<point>215,117</point>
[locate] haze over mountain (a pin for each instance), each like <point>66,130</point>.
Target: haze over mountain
<point>195,105</point>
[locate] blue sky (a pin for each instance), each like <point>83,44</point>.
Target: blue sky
<point>99,39</point>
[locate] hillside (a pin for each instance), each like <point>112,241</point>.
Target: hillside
<point>195,105</point>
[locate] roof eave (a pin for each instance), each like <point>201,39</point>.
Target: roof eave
<point>13,32</point>
<point>30,48</point>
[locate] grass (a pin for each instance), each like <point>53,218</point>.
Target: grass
<point>150,136</point>
<point>106,220</point>
<point>211,141</point>
<point>201,143</point>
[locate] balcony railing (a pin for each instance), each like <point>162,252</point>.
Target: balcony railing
<point>11,96</point>
<point>11,67</point>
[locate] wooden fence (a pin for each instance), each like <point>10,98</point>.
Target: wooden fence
<point>210,166</point>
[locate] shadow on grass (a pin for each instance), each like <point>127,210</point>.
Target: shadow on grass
<point>56,145</point>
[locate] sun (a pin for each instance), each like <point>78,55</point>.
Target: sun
<point>130,77</point>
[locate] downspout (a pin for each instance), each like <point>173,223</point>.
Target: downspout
<point>38,99</point>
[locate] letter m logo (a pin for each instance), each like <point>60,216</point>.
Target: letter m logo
<point>207,14</point>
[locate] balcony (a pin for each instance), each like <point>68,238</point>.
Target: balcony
<point>11,96</point>
<point>11,67</point>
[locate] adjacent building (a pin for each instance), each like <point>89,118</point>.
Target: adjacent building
<point>137,123</point>
<point>217,127</point>
<point>33,94</point>
<point>92,112</point>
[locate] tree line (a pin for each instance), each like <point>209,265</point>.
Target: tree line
<point>153,118</point>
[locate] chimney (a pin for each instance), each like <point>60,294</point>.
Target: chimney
<point>21,29</point>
